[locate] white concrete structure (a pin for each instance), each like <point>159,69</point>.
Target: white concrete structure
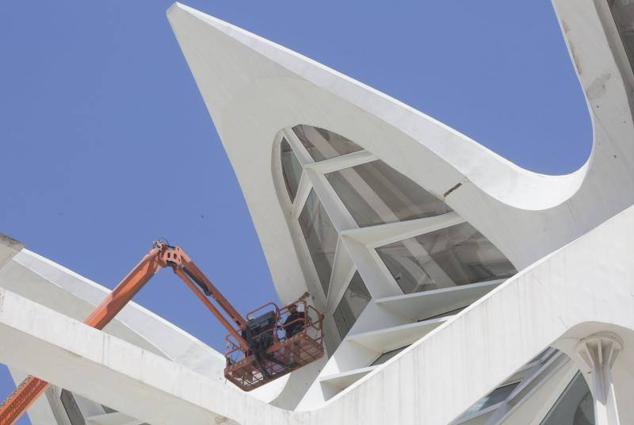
<point>458,288</point>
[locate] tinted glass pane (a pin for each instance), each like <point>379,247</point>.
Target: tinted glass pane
<point>387,356</point>
<point>323,144</point>
<point>374,193</point>
<point>351,305</point>
<point>623,13</point>
<point>574,406</point>
<point>72,409</point>
<point>503,391</point>
<point>457,255</point>
<point>321,237</point>
<point>291,169</point>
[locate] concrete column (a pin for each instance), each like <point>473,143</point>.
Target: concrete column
<point>597,354</point>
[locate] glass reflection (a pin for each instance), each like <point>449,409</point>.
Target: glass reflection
<point>527,377</point>
<point>320,236</point>
<point>623,14</point>
<point>354,301</point>
<point>574,406</point>
<point>291,169</point>
<point>323,144</point>
<point>72,408</point>
<point>375,193</point>
<point>456,255</point>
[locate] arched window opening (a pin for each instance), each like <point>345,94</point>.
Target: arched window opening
<point>291,169</point>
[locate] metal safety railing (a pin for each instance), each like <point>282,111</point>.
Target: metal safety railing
<point>290,338</point>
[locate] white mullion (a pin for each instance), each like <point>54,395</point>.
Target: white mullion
<point>303,190</point>
<point>430,267</point>
<point>342,272</point>
<point>384,234</point>
<point>438,274</point>
<point>302,154</point>
<point>303,186</point>
<point>306,263</point>
<point>313,179</point>
<point>551,369</point>
<point>343,161</point>
<point>377,280</point>
<point>340,219</point>
<point>551,366</point>
<point>432,292</point>
<point>415,306</point>
<point>338,216</point>
<point>366,192</point>
<point>336,210</point>
<point>383,270</point>
<point>278,175</point>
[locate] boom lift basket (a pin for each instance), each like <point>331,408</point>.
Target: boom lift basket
<point>279,340</point>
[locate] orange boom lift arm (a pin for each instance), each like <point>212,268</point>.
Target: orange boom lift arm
<point>261,364</point>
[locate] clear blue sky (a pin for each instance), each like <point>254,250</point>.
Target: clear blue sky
<point>106,144</point>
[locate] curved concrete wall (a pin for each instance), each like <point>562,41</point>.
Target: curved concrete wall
<point>552,302</point>
<point>253,89</point>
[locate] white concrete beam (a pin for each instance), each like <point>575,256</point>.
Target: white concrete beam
<point>113,372</point>
<point>597,354</point>
<point>556,301</point>
<point>8,248</point>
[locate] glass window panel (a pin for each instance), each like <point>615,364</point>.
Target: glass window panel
<point>375,193</point>
<point>331,344</point>
<point>526,374</point>
<point>623,14</point>
<point>321,238</point>
<point>291,169</point>
<point>456,255</point>
<point>496,396</point>
<point>351,305</point>
<point>574,406</point>
<point>72,408</point>
<point>323,144</point>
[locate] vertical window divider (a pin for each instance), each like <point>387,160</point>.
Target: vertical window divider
<point>297,146</point>
<point>378,281</point>
<point>342,162</point>
<point>383,234</point>
<point>372,187</point>
<point>336,294</point>
<point>361,243</point>
<point>336,210</point>
<point>306,263</point>
<point>303,190</point>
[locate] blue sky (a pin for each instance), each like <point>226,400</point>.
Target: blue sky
<point>107,146</point>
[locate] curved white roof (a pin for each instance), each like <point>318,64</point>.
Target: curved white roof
<point>253,88</point>
<point>570,236</point>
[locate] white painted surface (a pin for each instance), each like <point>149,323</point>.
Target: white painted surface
<point>552,302</point>
<point>254,90</point>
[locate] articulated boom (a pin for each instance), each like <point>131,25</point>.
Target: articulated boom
<point>260,349</point>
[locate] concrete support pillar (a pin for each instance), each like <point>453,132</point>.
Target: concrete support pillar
<point>597,354</point>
